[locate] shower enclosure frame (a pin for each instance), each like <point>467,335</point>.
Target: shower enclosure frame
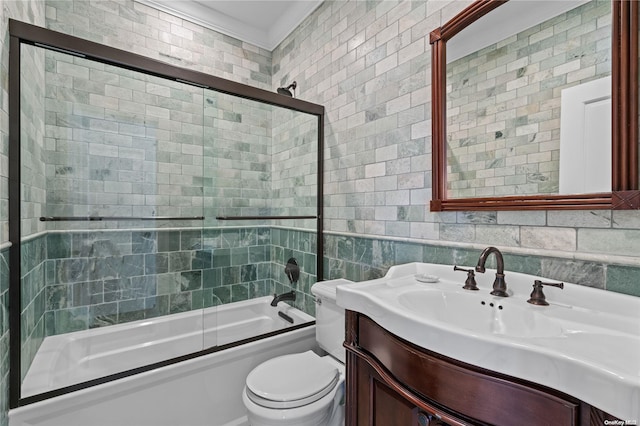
<point>23,33</point>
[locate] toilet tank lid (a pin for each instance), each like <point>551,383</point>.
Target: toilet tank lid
<point>328,288</point>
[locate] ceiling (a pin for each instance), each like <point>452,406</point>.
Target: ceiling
<point>264,23</point>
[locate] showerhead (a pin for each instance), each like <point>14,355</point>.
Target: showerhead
<point>285,90</point>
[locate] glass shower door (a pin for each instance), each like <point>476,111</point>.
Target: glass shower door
<point>112,212</point>
<point>260,193</point>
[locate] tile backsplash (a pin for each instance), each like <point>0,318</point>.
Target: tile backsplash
<point>363,258</point>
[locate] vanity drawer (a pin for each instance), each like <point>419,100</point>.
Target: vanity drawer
<point>476,393</point>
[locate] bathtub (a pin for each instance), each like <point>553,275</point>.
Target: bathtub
<point>205,390</point>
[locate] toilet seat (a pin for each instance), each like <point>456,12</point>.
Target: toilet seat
<point>291,381</point>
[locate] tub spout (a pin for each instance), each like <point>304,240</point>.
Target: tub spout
<point>284,296</point>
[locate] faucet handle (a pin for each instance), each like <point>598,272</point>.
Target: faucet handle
<point>470,283</point>
<point>537,297</point>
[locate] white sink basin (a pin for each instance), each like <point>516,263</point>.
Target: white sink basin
<point>586,343</point>
<point>471,312</point>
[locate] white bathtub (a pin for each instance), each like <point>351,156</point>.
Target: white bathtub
<point>200,391</point>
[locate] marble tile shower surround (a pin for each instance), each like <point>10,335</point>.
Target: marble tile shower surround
<point>78,280</point>
<point>100,278</point>
<point>127,25</point>
<point>122,143</point>
<point>503,103</point>
<point>263,160</point>
<point>237,155</point>
<point>294,166</point>
<point>32,138</point>
<point>132,26</point>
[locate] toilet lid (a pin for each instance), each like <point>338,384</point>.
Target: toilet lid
<point>291,381</point>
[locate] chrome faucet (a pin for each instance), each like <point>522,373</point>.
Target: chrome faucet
<point>499,285</point>
<point>284,296</point>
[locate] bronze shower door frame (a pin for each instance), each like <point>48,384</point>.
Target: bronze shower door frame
<point>23,33</point>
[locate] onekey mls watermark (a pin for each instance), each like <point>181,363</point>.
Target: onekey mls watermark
<point>621,422</point>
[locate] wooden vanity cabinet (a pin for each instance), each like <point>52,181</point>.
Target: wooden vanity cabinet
<point>391,382</point>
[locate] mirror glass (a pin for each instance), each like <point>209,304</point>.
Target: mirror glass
<point>528,101</point>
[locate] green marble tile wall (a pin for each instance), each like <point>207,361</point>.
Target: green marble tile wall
<point>98,278</point>
<point>34,294</point>
<point>359,259</point>
<point>79,280</point>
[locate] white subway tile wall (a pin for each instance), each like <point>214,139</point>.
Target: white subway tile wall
<point>378,130</point>
<point>120,143</point>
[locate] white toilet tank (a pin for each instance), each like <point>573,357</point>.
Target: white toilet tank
<point>329,318</point>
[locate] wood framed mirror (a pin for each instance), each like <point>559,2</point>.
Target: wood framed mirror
<point>509,147</point>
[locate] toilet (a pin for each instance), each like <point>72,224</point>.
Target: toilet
<point>303,389</point>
